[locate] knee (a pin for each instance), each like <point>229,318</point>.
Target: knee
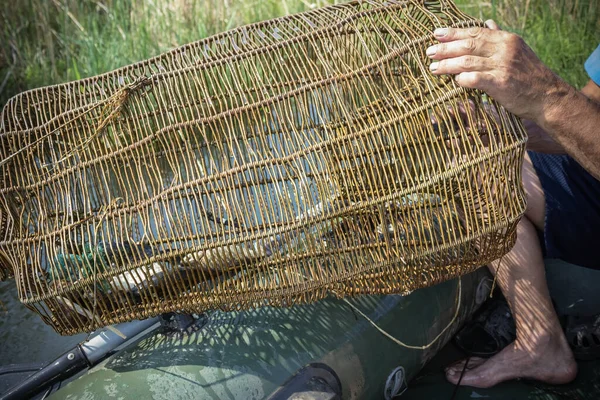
<point>536,202</point>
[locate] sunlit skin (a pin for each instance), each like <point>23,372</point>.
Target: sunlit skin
<point>559,119</point>
<point>501,64</point>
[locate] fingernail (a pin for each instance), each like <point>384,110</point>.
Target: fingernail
<point>431,50</point>
<point>450,371</point>
<point>433,66</point>
<point>440,32</point>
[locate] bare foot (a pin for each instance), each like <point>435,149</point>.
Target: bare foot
<point>551,362</point>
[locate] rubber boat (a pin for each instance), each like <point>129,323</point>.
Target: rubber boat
<point>368,347</point>
<point>355,348</point>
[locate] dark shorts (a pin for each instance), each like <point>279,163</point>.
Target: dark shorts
<point>572,225</point>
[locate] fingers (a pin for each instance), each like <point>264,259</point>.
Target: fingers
<point>457,65</point>
<point>460,48</point>
<point>477,32</point>
<point>450,34</point>
<point>473,79</point>
<point>476,41</point>
<point>470,54</point>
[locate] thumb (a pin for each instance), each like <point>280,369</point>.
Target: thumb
<point>490,23</point>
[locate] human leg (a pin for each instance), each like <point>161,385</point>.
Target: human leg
<point>540,351</point>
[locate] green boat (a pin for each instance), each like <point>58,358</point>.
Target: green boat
<point>368,347</point>
<point>327,347</point>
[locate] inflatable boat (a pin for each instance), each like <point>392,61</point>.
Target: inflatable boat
<point>359,348</point>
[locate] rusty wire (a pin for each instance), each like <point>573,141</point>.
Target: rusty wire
<point>268,165</point>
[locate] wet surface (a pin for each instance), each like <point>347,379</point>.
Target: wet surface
<point>24,338</point>
<point>249,354</point>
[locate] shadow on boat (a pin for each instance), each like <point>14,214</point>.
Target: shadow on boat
<point>260,337</point>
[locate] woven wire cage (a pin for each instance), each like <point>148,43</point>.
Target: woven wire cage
<point>272,164</point>
<point>6,270</point>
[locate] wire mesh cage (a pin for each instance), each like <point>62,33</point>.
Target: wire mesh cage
<point>272,164</point>
<point>6,270</point>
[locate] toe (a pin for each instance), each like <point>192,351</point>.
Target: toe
<point>459,365</point>
<point>452,376</point>
<point>454,371</point>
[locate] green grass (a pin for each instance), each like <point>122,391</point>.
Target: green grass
<point>43,42</point>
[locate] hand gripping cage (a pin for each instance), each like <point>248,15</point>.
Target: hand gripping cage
<point>271,164</point>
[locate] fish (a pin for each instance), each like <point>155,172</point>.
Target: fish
<point>225,258</point>
<point>137,279</point>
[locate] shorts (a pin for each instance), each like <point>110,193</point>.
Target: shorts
<point>572,221</point>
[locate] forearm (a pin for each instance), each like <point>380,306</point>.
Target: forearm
<point>540,141</point>
<point>573,121</point>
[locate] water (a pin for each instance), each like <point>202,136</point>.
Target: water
<point>24,337</point>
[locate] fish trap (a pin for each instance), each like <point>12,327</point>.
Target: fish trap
<point>272,164</point>
<point>6,270</point>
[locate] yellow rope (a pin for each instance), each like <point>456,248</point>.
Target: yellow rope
<point>401,343</point>
<point>495,277</point>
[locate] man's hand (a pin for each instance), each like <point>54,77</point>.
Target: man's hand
<point>499,63</point>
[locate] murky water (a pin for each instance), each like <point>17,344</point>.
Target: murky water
<point>24,338</point>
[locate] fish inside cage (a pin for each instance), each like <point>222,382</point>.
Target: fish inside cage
<point>273,164</point>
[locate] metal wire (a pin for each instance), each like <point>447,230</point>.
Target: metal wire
<point>270,164</point>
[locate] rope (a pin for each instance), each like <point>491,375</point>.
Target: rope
<point>495,277</point>
<point>408,346</point>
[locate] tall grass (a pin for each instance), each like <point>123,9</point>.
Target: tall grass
<point>44,42</point>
